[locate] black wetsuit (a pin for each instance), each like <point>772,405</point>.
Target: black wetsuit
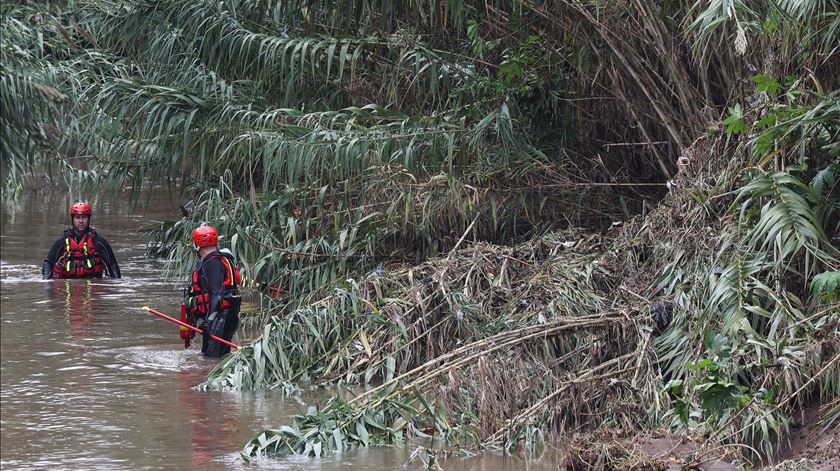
<point>109,260</point>
<point>211,277</point>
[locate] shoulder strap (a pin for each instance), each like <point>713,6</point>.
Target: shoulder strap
<point>225,259</point>
<point>69,233</point>
<point>91,235</point>
<point>200,267</point>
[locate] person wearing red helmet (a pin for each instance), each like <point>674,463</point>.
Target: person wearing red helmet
<point>80,252</point>
<point>212,298</point>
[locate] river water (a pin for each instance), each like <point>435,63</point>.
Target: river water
<point>92,382</point>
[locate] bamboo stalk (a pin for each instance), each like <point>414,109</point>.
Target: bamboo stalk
<point>585,376</point>
<point>547,329</point>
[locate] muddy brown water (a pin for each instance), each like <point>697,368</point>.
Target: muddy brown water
<point>88,381</point>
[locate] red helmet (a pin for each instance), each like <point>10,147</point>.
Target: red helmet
<point>82,209</point>
<point>205,236</point>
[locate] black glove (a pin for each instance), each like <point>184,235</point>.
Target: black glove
<point>46,270</point>
<point>215,325</point>
<point>199,322</point>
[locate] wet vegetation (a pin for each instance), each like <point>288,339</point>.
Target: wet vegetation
<point>514,221</point>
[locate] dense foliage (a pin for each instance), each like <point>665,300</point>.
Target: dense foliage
<point>479,203</point>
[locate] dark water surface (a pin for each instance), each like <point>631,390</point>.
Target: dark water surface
<point>91,382</point>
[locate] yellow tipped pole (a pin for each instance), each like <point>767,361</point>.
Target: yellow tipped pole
<point>184,324</point>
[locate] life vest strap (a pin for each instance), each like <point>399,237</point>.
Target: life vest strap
<point>80,259</point>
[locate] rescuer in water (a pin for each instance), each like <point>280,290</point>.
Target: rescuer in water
<point>80,252</point>
<point>212,298</point>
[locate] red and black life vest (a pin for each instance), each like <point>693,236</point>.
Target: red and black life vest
<point>80,259</point>
<point>198,301</point>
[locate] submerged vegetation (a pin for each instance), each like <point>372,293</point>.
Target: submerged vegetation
<point>520,220</point>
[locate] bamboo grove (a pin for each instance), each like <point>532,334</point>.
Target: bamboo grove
<point>476,206</point>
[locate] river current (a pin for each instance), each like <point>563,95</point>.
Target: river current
<point>89,381</point>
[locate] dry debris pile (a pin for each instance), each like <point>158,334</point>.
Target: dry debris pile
<point>698,315</point>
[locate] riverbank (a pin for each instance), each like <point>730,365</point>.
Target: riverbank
<point>671,318</point>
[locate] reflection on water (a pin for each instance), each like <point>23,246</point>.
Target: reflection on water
<point>79,297</point>
<point>90,381</point>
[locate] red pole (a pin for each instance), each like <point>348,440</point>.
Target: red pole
<point>171,319</point>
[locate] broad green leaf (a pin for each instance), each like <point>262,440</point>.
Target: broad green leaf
<point>735,123</point>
